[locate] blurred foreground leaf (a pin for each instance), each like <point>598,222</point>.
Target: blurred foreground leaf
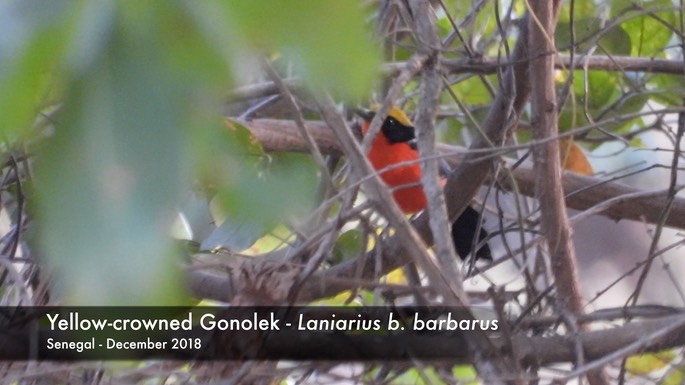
<point>109,179</point>
<point>140,87</point>
<point>327,40</point>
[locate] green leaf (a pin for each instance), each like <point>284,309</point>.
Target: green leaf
<point>602,88</point>
<point>444,25</point>
<point>615,41</point>
<point>676,377</point>
<point>110,177</point>
<point>649,362</point>
<point>472,91</point>
<point>628,104</point>
<point>423,376</point>
<point>669,89</point>
<point>649,35</point>
<point>465,373</point>
<point>449,130</point>
<point>599,88</point>
<point>250,186</point>
<point>581,8</point>
<point>221,152</point>
<point>327,40</point>
<point>349,245</point>
<point>280,188</point>
<point>572,117</point>
<point>637,142</point>
<point>33,35</point>
<point>587,29</point>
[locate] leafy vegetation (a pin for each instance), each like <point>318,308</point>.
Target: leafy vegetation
<point>114,137</point>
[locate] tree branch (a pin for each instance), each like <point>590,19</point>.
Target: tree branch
<point>430,88</point>
<point>600,346</point>
<point>492,367</point>
<point>490,65</point>
<point>555,225</point>
<point>546,160</point>
<point>581,192</point>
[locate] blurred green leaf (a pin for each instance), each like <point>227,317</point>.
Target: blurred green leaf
<point>572,117</point>
<point>466,373</point>
<point>92,25</point>
<point>444,25</point>
<point>110,177</point>
<point>423,376</point>
<point>472,91</point>
<point>637,142</point>
<point>677,377</point>
<point>280,188</point>
<point>327,40</point>
<point>649,35</point>
<point>581,8</point>
<point>613,41</point>
<point>222,152</point>
<point>31,43</point>
<point>628,104</point>
<point>349,245</point>
<point>649,362</point>
<point>251,186</point>
<point>448,131</point>
<point>601,89</point>
<point>669,89</point>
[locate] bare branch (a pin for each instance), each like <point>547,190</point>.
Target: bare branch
<point>600,346</point>
<point>488,65</point>
<point>555,224</point>
<point>636,336</point>
<point>428,105</point>
<point>547,162</point>
<point>491,367</point>
<point>581,192</point>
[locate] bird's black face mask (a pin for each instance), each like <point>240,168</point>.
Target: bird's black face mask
<point>397,132</point>
<point>393,130</point>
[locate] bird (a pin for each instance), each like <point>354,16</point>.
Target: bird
<point>394,154</point>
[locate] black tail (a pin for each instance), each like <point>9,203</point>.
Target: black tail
<point>464,232</point>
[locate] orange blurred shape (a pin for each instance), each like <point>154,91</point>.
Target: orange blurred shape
<point>573,158</point>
